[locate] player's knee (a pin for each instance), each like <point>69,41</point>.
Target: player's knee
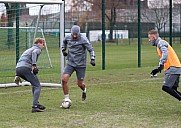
<point>174,88</point>
<point>65,78</point>
<point>80,83</point>
<point>165,88</point>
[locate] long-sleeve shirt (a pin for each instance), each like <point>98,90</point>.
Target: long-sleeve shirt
<point>163,46</point>
<point>77,55</point>
<point>29,57</point>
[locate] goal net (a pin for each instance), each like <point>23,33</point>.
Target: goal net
<point>20,22</point>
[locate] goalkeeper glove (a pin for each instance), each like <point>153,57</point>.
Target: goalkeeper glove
<point>35,70</point>
<point>159,69</point>
<point>64,53</point>
<point>92,62</point>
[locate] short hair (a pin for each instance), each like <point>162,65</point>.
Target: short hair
<point>38,40</point>
<point>153,31</point>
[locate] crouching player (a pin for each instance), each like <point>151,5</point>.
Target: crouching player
<point>26,68</point>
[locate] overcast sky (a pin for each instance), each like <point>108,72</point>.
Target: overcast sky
<point>34,9</point>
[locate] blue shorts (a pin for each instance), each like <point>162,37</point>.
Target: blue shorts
<point>80,71</point>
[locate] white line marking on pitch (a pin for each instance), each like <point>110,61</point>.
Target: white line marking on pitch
<point>91,84</point>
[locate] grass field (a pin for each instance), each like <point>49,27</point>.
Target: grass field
<point>122,96</point>
<point>125,98</point>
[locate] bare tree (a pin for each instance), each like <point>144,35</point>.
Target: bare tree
<point>96,7</point>
<point>157,13</point>
<point>80,11</point>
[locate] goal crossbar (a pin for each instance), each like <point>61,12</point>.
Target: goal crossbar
<point>33,1</point>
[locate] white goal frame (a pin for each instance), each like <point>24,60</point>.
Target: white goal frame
<point>61,3</point>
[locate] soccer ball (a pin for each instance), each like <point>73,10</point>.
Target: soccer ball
<point>66,103</point>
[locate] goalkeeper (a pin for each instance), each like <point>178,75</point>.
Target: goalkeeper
<point>77,44</point>
<point>169,62</point>
<point>26,68</point>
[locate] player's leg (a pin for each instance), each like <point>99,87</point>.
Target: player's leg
<point>176,85</point>
<point>169,82</point>
<point>26,74</point>
<point>17,80</point>
<point>65,78</point>
<point>80,72</point>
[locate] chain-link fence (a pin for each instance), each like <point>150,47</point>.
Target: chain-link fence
<point>121,33</point>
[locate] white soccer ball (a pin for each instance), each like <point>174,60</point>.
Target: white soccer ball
<point>66,103</point>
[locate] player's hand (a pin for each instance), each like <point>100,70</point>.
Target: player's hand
<point>92,62</point>
<point>64,53</point>
<point>159,69</point>
<point>154,71</point>
<point>35,70</point>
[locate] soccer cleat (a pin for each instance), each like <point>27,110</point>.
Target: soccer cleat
<point>17,80</point>
<point>83,96</point>
<point>41,107</point>
<point>36,109</point>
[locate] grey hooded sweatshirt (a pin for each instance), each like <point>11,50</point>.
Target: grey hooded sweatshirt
<point>163,46</point>
<point>29,57</point>
<point>77,55</point>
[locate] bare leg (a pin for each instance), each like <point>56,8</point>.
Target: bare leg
<point>65,79</point>
<point>81,84</point>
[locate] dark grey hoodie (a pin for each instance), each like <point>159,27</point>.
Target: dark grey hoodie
<point>77,55</point>
<point>163,46</point>
<point>29,57</point>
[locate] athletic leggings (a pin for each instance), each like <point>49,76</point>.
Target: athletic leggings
<point>26,74</point>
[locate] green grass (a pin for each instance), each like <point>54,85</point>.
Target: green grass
<point>121,96</point>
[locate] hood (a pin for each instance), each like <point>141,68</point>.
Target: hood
<point>155,42</point>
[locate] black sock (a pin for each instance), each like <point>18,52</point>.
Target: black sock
<point>175,88</point>
<point>172,92</point>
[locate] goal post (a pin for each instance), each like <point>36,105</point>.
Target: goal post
<point>48,78</point>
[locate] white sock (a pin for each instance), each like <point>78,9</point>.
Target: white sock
<point>66,96</point>
<point>85,90</point>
